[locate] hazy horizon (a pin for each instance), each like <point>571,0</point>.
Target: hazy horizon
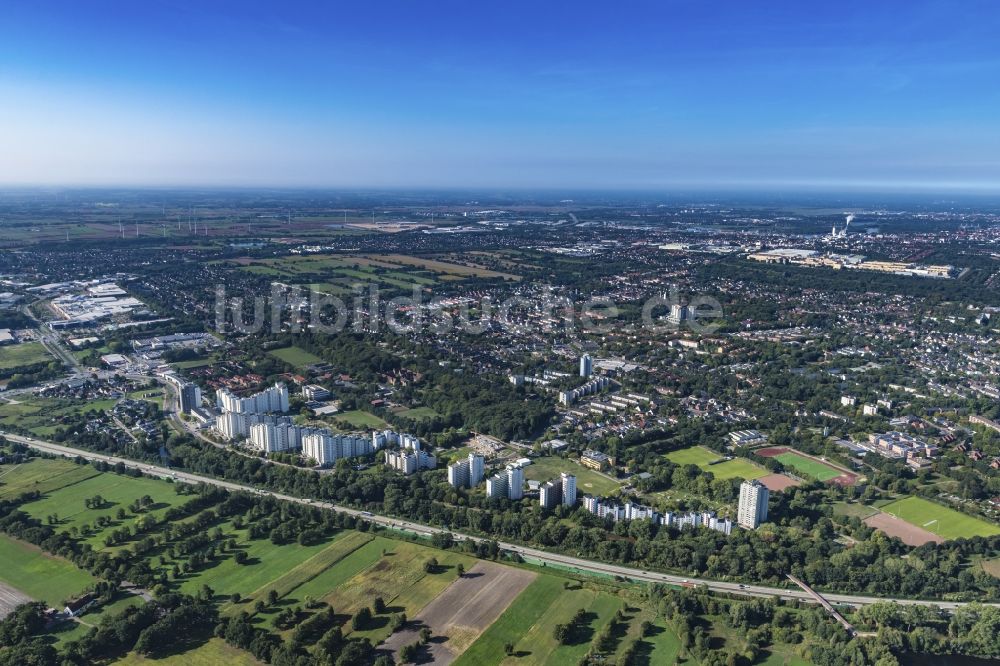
<point>900,96</point>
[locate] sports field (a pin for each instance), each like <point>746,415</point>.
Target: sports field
<point>938,519</point>
<point>358,418</point>
<point>295,356</point>
<point>737,468</point>
<point>808,465</point>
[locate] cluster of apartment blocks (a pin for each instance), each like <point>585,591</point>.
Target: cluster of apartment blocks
<point>751,512</point>
<point>593,386</point>
<point>467,473</point>
<point>253,417</point>
<point>410,461</point>
<point>632,511</point>
<point>508,483</point>
<point>558,491</point>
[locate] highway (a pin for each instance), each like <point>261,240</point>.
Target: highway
<point>540,556</point>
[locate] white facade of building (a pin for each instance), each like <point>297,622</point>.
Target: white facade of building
<point>409,462</point>
<point>753,504</point>
<point>568,489</point>
<point>467,473</point>
<point>515,483</point>
<point>273,399</point>
<point>327,448</point>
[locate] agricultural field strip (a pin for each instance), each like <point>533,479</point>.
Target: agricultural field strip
<point>314,566</point>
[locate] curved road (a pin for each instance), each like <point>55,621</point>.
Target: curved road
<point>526,552</point>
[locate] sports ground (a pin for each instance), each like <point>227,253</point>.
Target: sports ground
<point>709,461</point>
<point>938,519</point>
<point>809,465</point>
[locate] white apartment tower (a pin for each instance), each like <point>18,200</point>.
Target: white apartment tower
<point>458,474</point>
<point>550,494</point>
<point>586,365</point>
<point>496,486</point>
<point>477,466</point>
<point>753,504</point>
<point>568,489</point>
<point>515,483</point>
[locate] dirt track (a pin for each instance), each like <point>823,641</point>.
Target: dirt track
<point>911,535</point>
<point>463,611</point>
<point>778,482</point>
<point>11,599</point>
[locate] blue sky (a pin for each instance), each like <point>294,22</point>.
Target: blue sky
<point>632,95</point>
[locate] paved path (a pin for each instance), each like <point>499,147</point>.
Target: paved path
<point>524,551</point>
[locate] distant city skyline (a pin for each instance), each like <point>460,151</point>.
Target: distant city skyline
<point>898,95</point>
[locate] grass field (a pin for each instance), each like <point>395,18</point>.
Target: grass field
<point>39,575</point>
<point>859,511</point>
<point>418,413</point>
<point>358,418</point>
<point>342,546</point>
<point>529,621</point>
<point>214,652</point>
<point>43,477</point>
<point>587,480</point>
<point>737,468</point>
<point>938,519</point>
<point>266,562</point>
<point>813,468</point>
<point>295,356</point>
<point>24,354</point>
<point>354,569</point>
<point>118,492</point>
<point>42,415</point>
<point>445,267</point>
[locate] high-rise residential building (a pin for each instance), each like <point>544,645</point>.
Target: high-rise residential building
<point>515,483</point>
<point>496,486</point>
<point>586,365</point>
<point>190,396</point>
<point>679,313</point>
<point>271,437</point>
<point>467,473</point>
<point>477,470</point>
<point>409,462</point>
<point>326,448</point>
<point>550,495</point>
<point>568,489</point>
<point>753,504</point>
<point>458,474</point>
